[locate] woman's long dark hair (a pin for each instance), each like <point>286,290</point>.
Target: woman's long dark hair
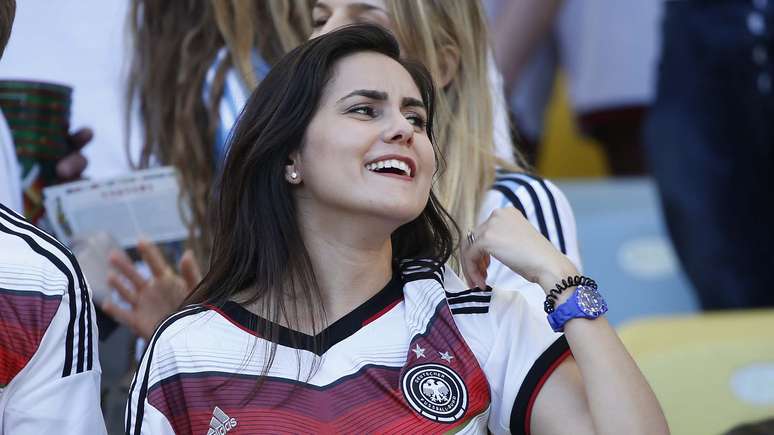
<point>258,249</point>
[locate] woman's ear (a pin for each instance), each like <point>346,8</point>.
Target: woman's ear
<point>449,63</point>
<point>293,169</point>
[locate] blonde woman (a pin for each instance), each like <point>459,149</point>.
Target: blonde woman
<point>450,38</point>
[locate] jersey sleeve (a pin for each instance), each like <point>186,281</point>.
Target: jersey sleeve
<point>49,365</point>
<point>142,417</point>
<point>155,406</point>
<point>523,353</point>
<point>43,399</point>
<point>548,210</point>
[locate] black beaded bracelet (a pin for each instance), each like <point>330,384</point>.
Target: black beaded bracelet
<point>571,281</point>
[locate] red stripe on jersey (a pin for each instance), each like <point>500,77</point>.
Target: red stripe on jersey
<point>24,318</point>
<point>382,312</point>
<point>539,385</point>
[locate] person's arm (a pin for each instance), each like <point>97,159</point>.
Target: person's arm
<point>517,30</point>
<point>46,398</point>
<point>601,388</point>
<point>49,363</point>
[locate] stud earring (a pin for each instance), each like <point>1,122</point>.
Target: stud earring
<point>294,175</point>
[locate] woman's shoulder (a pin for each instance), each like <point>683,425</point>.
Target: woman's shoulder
<point>520,189</point>
<point>539,200</point>
<point>194,323</point>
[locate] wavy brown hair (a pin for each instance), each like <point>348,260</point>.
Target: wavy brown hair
<point>174,45</point>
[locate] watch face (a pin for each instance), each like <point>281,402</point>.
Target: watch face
<point>590,301</point>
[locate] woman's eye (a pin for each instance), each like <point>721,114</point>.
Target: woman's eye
<point>319,22</point>
<point>364,110</point>
<point>417,121</point>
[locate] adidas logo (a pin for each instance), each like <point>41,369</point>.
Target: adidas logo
<point>221,423</point>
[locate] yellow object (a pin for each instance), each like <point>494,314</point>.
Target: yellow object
<point>564,153</point>
<point>710,372</point>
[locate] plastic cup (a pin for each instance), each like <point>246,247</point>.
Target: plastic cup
<point>38,115</point>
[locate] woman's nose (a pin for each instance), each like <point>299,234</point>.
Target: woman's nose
<point>400,131</point>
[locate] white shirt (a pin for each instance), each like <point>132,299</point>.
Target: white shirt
<point>424,355</point>
<point>49,363</point>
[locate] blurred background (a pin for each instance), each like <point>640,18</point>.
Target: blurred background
<point>654,118</point>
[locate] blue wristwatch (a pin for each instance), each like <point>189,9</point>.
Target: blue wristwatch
<point>585,302</point>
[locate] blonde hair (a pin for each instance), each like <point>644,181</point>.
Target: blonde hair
<point>175,44</point>
<point>240,22</point>
<point>464,123</point>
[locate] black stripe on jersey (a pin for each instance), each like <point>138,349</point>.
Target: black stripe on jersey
<point>84,323</point>
<point>419,269</point>
<point>144,387</point>
<point>471,298</point>
<point>333,334</point>
<point>68,359</point>
<point>537,375</point>
<point>554,211</point>
<point>535,200</point>
<point>504,176</point>
<point>470,310</point>
<point>488,289</point>
<point>505,190</point>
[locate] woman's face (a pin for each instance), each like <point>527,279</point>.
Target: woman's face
<point>366,151</point>
<point>329,15</point>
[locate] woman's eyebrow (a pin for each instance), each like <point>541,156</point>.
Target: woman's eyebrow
<point>412,102</point>
<point>368,93</point>
<point>364,7</point>
<point>382,96</point>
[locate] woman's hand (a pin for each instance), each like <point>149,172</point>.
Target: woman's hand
<point>507,236</point>
<point>154,299</point>
<point>71,166</point>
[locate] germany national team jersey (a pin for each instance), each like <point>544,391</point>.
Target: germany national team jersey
<point>49,366</point>
<point>423,355</point>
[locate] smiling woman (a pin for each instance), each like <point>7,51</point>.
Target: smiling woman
<point>327,307</point>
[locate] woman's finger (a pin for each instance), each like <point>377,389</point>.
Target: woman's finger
<point>153,257</point>
<point>472,259</point>
<point>121,262</point>
<point>71,166</point>
<point>79,138</point>
<point>126,293</point>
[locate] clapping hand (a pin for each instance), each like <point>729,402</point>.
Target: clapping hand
<point>150,300</point>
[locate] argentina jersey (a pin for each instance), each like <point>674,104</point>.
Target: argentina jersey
<point>415,358</point>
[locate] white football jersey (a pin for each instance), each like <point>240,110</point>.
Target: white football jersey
<point>424,355</point>
<point>49,365</point>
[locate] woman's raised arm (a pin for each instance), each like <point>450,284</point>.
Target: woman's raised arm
<point>600,390</point>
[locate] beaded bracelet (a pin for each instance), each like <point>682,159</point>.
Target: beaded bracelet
<point>571,281</point>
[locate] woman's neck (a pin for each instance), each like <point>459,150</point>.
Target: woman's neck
<point>351,257</point>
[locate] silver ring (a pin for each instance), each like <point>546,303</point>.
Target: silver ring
<point>471,238</point>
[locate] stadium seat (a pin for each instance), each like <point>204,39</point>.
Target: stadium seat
<point>710,372</point>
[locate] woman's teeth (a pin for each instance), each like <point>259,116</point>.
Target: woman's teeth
<point>390,164</point>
